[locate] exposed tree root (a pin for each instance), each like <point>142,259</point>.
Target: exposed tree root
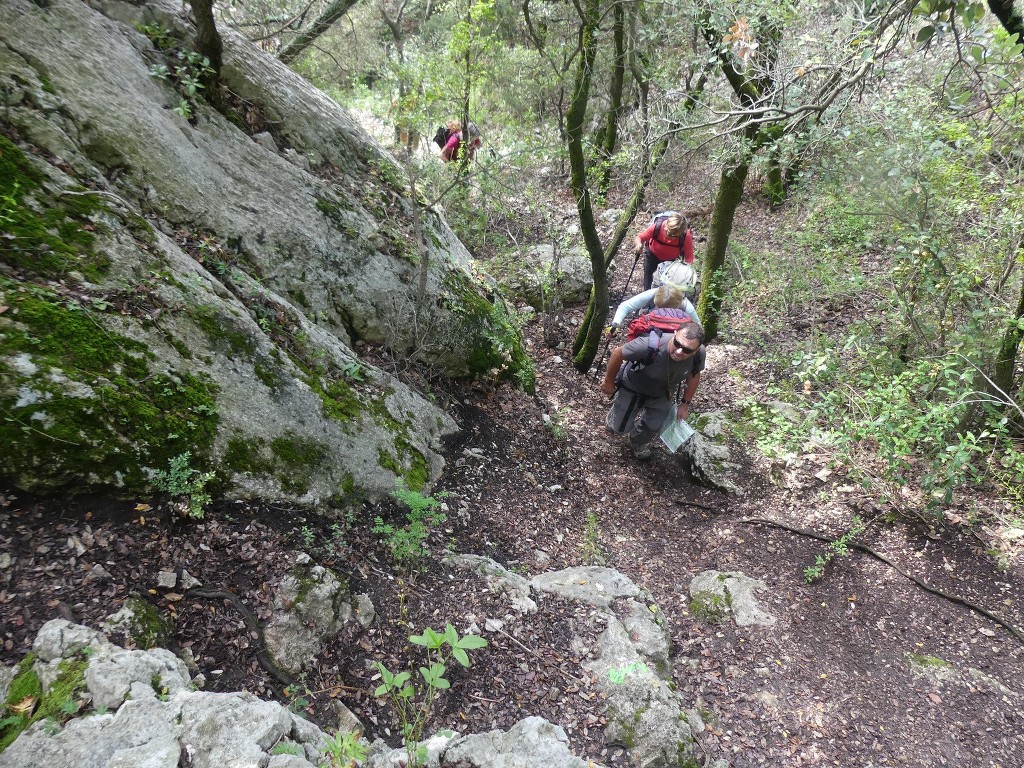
<point>252,624</point>
<point>877,555</point>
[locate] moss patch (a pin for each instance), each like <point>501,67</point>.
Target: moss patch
<point>82,407</point>
<point>245,454</point>
<point>299,456</point>
<point>47,234</point>
<point>146,627</point>
<point>223,332</point>
<point>28,703</point>
<point>496,343</point>
<point>709,606</point>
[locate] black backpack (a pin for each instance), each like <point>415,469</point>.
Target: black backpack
<point>442,136</point>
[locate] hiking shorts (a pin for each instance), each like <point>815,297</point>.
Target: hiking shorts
<point>639,416</point>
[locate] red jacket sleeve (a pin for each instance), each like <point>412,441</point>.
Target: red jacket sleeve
<point>647,234</point>
<point>687,246</point>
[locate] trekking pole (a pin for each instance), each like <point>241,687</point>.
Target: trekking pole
<point>597,369</point>
<point>625,291</point>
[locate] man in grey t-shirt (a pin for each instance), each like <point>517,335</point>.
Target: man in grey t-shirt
<point>645,391</point>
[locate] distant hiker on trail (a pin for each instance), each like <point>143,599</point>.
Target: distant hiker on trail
<point>644,388</point>
<point>669,274</point>
<point>666,238</point>
<point>454,145</point>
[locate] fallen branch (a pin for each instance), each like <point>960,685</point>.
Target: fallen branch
<point>879,556</point>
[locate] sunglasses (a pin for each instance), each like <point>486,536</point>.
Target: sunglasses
<point>683,348</point>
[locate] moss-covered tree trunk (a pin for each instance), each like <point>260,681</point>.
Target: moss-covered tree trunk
<point>209,44</point>
<point>1009,15</point>
<point>1006,361</point>
<point>730,192</point>
<point>609,136</point>
<point>574,120</point>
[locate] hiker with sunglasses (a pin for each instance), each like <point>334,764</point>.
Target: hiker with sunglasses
<point>644,384</point>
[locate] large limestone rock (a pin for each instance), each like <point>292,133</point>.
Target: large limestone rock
<point>708,455</point>
<point>544,276</point>
<point>631,668</point>
<point>142,713</point>
<point>174,285</point>
<point>531,743</point>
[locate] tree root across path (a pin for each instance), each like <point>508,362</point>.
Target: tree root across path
<point>252,624</point>
<point>879,556</point>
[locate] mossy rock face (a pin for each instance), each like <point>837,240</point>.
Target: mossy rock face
<point>83,401</point>
<point>46,234</point>
<point>28,702</point>
<point>496,346</point>
<point>181,289</point>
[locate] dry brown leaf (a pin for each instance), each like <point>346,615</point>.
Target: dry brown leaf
<point>25,707</point>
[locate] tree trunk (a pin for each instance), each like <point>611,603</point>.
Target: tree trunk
<point>610,132</point>
<point>1006,361</point>
<point>334,11</point>
<point>208,44</point>
<point>574,121</point>
<point>730,192</point>
<point>1010,17</point>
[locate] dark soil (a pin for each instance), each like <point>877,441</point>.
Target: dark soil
<point>830,683</point>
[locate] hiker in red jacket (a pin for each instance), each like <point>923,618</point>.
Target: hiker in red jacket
<point>666,238</point>
<point>454,146</point>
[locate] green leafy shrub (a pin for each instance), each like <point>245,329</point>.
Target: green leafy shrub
<point>345,750</point>
<point>412,699</point>
<point>186,483</point>
<point>408,543</point>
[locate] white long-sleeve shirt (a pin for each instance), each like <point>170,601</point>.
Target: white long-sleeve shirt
<point>644,300</point>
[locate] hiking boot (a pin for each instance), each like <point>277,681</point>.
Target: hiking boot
<point>642,452</point>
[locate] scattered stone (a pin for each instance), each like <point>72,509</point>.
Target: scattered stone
<point>364,611</point>
<point>716,594</point>
<point>142,624</point>
<point>96,573</point>
<point>310,607</point>
<point>347,721</point>
<point>499,578</point>
<point>167,580</point>
<point>595,585</point>
<point>188,581</point>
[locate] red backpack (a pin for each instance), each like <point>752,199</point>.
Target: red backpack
<point>655,323</point>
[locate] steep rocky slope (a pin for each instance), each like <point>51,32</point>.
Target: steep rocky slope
<point>179,281</point>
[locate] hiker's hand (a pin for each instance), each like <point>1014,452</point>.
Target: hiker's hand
<point>608,387</point>
<point>682,412</point>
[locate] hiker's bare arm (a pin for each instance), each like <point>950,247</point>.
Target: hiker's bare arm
<point>683,411</point>
<point>614,363</point>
